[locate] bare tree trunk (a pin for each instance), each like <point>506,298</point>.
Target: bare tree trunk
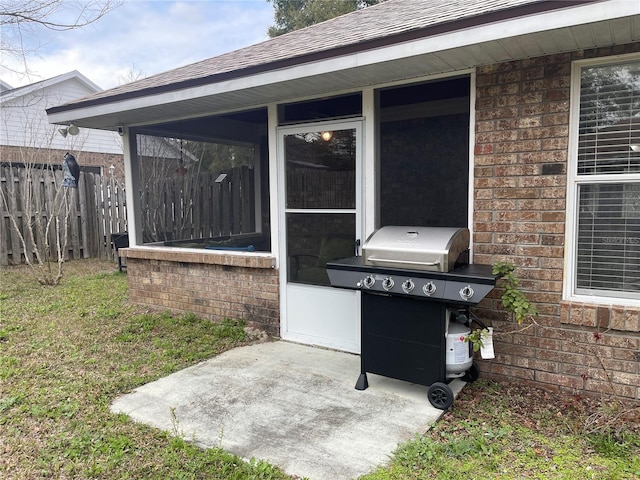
<point>44,234</point>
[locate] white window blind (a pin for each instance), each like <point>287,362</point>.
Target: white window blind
<point>609,237</point>
<point>608,164</point>
<point>609,121</point>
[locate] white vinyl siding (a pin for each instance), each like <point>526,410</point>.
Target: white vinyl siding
<point>24,123</point>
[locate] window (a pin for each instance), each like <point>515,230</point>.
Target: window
<point>606,180</point>
<point>204,183</point>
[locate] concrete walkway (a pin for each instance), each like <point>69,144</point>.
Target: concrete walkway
<point>294,406</point>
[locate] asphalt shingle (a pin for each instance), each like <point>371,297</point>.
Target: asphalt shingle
<point>385,23</point>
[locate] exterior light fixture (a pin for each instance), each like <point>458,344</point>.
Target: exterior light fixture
<point>112,170</point>
<point>72,129</point>
<point>326,136</point>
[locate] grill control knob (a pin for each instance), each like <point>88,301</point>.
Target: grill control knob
<point>429,289</point>
<point>369,281</point>
<point>407,286</point>
<point>388,283</point>
<point>466,292</point>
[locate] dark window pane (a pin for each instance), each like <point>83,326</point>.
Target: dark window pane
<point>321,171</point>
<point>315,239</point>
<point>201,194</point>
<point>321,109</point>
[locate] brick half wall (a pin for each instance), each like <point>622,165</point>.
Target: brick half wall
<point>214,286</point>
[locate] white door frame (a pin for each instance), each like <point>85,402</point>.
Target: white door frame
<point>343,298</point>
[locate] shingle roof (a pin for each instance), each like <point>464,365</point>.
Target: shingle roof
<point>386,23</point>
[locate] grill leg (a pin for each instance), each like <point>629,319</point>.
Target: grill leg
<point>362,383</point>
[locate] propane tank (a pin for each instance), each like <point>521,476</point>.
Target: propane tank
<point>459,351</point>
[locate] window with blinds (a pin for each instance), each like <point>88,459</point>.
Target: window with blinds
<point>608,178</point>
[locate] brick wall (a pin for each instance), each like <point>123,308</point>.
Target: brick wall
<point>214,286</point>
<point>521,149</point>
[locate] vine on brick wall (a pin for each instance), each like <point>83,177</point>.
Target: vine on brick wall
<point>513,299</point>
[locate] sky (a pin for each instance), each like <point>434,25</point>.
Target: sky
<point>140,38</point>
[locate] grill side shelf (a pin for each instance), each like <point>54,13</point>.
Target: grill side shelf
<point>467,284</point>
<point>479,273</point>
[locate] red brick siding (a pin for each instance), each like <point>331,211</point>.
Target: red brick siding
<point>521,151</point>
<point>213,286</point>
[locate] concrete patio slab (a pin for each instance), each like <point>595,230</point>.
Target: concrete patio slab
<point>292,405</point>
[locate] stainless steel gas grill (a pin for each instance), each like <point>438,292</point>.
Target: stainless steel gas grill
<point>417,286</point>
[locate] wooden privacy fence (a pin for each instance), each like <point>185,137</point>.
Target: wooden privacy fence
<point>200,206</point>
<point>173,208</point>
<point>34,206</point>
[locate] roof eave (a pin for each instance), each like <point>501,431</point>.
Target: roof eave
<point>414,43</point>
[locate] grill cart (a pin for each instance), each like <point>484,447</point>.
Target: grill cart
<point>417,286</point>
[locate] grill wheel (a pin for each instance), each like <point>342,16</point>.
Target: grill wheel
<point>440,395</point>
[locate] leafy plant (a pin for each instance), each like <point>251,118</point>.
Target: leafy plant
<point>513,299</point>
<point>476,338</point>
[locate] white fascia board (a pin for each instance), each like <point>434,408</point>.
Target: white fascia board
<point>27,89</point>
<point>564,18</point>
<point>24,90</point>
<point>86,81</point>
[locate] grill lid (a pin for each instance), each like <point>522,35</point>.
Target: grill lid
<point>419,248</point>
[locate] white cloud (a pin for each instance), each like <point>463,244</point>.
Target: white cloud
<point>150,37</point>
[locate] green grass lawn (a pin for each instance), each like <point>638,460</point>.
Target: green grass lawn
<point>66,352</point>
